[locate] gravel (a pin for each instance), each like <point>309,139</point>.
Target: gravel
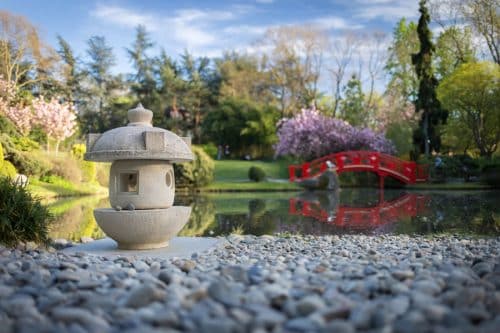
<point>351,283</point>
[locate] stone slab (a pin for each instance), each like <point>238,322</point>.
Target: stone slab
<point>178,247</point>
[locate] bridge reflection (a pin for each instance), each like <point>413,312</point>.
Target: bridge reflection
<point>326,207</point>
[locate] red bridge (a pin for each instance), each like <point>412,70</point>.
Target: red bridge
<point>386,212</point>
<point>357,161</point>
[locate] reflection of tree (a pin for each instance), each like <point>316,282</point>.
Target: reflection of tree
<point>464,213</point>
<point>202,217</point>
<point>74,218</point>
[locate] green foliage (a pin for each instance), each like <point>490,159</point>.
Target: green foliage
<point>7,169</point>
<point>197,173</point>
<point>256,174</point>
<point>24,162</point>
<point>399,65</point>
<point>352,106</point>
<point>401,135</point>
<point>22,217</point>
<point>472,94</point>
<point>210,149</point>
<point>25,144</point>
<point>427,137</point>
<point>7,127</point>
<point>248,129</point>
<point>67,168</point>
<point>453,47</point>
<point>89,171</point>
<point>78,150</point>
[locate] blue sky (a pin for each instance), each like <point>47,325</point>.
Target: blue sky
<point>203,27</point>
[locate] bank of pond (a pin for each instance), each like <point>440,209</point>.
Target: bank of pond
<point>348,211</point>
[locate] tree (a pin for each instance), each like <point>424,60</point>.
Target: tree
<point>353,105</point>
<point>472,94</point>
<point>480,16</point>
<point>453,48</point>
<point>70,72</point>
<point>99,85</point>
<point>23,56</point>
<point>402,77</point>
<point>144,83</point>
<point>57,120</point>
<point>249,128</point>
<point>243,77</point>
<point>342,54</point>
<point>295,64</point>
<point>427,136</point>
<point>484,17</point>
<point>310,134</point>
<point>196,96</point>
<point>18,113</point>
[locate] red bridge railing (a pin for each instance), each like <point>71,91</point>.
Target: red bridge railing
<point>356,161</point>
<point>408,205</point>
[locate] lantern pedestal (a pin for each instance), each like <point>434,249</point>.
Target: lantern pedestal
<point>142,229</point>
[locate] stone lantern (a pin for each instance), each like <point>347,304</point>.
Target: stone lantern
<point>141,181</point>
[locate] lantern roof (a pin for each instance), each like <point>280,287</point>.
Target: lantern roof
<point>139,140</point>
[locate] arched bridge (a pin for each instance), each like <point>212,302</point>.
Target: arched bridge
<point>386,212</point>
<point>383,165</point>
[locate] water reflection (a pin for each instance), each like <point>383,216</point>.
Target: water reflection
<point>74,217</point>
<point>325,207</point>
<point>348,211</point>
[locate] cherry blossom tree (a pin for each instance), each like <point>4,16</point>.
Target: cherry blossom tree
<point>20,115</point>
<point>57,120</point>
<point>311,134</point>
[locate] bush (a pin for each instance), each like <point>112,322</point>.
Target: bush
<point>256,174</point>
<point>7,169</point>
<point>22,217</point>
<point>197,173</point>
<point>89,171</point>
<point>23,161</point>
<point>490,172</point>
<point>102,173</point>
<point>210,149</point>
<point>78,150</point>
<point>25,144</point>
<point>67,168</point>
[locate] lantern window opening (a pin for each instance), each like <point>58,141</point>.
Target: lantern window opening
<point>129,182</point>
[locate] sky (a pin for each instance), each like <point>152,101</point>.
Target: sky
<point>204,28</point>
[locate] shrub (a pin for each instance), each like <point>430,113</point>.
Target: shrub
<point>311,135</point>
<point>25,144</point>
<point>23,161</point>
<point>256,174</point>
<point>490,172</point>
<point>197,173</point>
<point>89,171</point>
<point>102,173</point>
<point>7,169</point>
<point>210,149</point>
<point>22,217</point>
<point>28,165</point>
<point>78,150</point>
<point>67,168</point>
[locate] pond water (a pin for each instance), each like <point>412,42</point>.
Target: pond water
<point>349,211</point>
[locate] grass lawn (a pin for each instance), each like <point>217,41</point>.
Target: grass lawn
<point>67,189</point>
<point>232,175</point>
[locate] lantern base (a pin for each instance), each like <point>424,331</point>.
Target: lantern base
<point>142,229</point>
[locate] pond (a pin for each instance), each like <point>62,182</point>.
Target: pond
<point>349,211</point>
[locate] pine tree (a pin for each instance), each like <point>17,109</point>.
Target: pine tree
<point>427,136</point>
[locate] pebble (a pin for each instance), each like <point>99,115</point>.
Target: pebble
<point>260,284</point>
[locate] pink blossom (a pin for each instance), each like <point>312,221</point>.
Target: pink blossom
<point>310,134</point>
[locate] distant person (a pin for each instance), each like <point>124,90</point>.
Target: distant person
<point>226,151</point>
<point>219,152</point>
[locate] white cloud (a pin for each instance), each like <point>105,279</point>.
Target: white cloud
<point>124,17</point>
<point>334,22</point>
<point>264,1</point>
<point>388,10</point>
